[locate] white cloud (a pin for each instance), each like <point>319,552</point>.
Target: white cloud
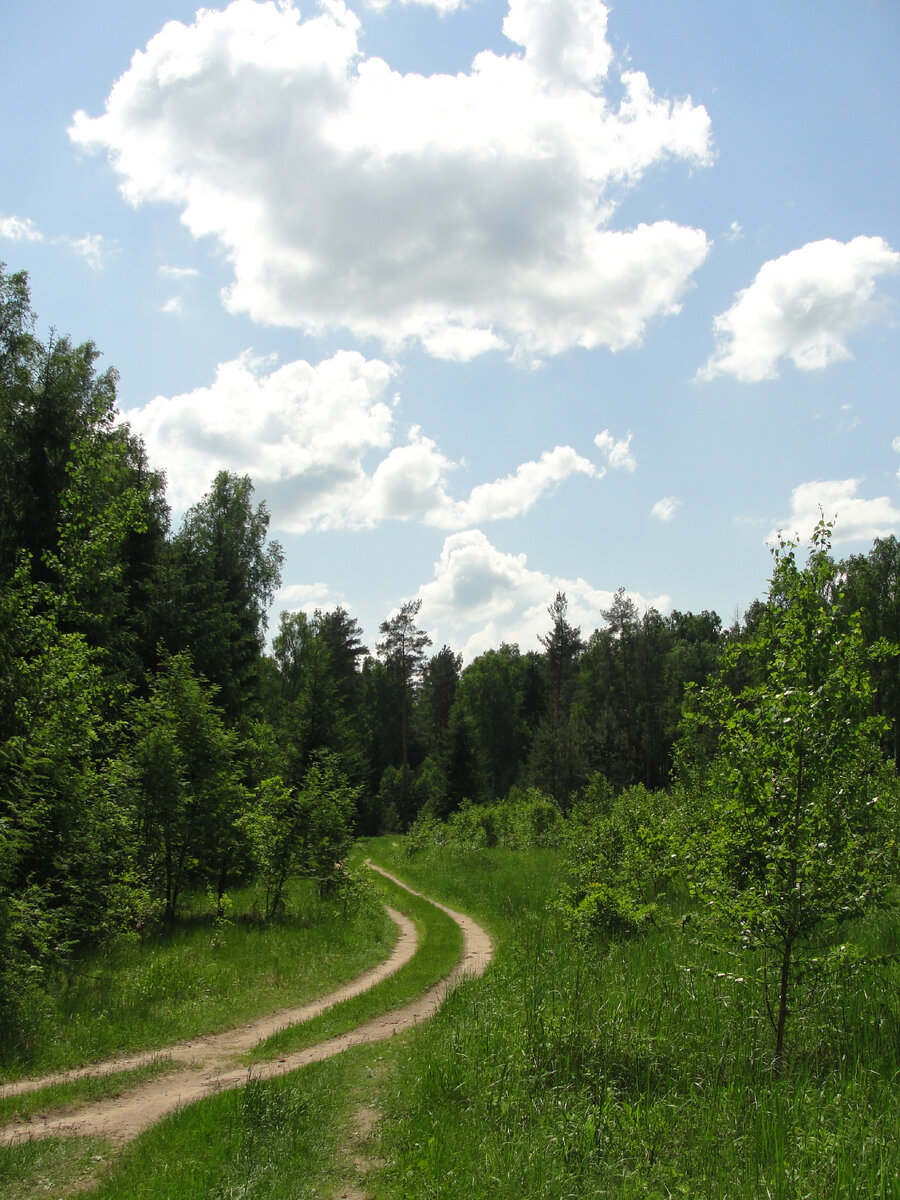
<point>306,434</point>
<point>617,453</point>
<point>172,306</point>
<point>306,597</point>
<point>467,213</point>
<point>90,247</point>
<point>168,272</point>
<point>300,431</point>
<point>481,596</point>
<point>666,508</point>
<point>19,229</point>
<point>857,519</point>
<point>444,7</point>
<point>513,496</point>
<point>23,229</point>
<point>802,306</point>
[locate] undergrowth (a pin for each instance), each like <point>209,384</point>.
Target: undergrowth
<point>202,974</point>
<point>640,1067</point>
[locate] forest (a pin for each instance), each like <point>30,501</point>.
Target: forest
<point>158,739</point>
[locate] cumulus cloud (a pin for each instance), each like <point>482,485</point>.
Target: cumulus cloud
<point>308,434</point>
<point>172,306</point>
<point>300,431</point>
<point>514,495</point>
<point>858,519</point>
<point>19,229</point>
<point>481,596</point>
<point>802,306</point>
<point>466,213</point>
<point>617,453</point>
<point>666,508</point>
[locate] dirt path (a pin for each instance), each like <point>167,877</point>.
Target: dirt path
<point>209,1063</point>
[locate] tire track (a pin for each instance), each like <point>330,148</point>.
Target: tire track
<point>209,1061</point>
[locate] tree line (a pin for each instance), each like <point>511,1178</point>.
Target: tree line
<point>152,741</point>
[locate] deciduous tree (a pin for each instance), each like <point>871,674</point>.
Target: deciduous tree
<point>789,844</point>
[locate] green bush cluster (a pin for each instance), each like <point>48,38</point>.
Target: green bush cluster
<point>526,819</point>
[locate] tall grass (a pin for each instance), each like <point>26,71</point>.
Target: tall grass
<point>641,1069</point>
<point>438,950</point>
<point>273,1140</point>
<point>200,975</point>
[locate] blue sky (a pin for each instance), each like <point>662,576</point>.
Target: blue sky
<point>491,301</point>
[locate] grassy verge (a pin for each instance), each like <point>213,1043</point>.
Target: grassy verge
<point>75,1093</point>
<point>637,1069</point>
<point>202,975</point>
<point>284,1138</point>
<point>440,947</point>
<point>278,1140</point>
<point>52,1167</point>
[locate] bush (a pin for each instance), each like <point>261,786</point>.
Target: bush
<point>619,861</point>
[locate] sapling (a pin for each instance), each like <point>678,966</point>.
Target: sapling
<point>787,842</point>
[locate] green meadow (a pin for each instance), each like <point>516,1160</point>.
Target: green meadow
<point>638,1067</point>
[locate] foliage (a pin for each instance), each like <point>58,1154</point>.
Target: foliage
<point>225,576</point>
<point>272,828</point>
<point>619,865</point>
<point>635,1068</point>
<point>557,759</point>
<point>402,649</point>
<point>787,842</point>
<point>524,820</point>
<point>186,779</point>
<point>327,806</point>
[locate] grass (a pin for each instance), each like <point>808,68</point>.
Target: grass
<point>51,1167</point>
<point>199,976</point>
<point>638,1069</point>
<point>75,1093</point>
<point>440,947</point>
<point>273,1139</point>
<point>635,1069</point>
<point>276,1140</point>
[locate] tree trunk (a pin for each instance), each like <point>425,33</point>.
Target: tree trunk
<point>778,1063</point>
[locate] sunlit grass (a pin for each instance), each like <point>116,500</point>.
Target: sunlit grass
<point>439,949</point>
<point>75,1093</point>
<point>200,975</point>
<point>637,1069</point>
<point>640,1069</point>
<point>276,1140</point>
<point>51,1167</point>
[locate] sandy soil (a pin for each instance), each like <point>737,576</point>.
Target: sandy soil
<point>208,1064</point>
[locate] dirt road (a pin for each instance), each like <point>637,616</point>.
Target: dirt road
<point>208,1064</point>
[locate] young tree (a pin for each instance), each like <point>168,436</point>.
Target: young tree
<point>327,805</point>
<point>189,796</point>
<point>789,842</point>
<point>873,586</point>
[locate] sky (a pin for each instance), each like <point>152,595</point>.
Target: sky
<point>492,301</point>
